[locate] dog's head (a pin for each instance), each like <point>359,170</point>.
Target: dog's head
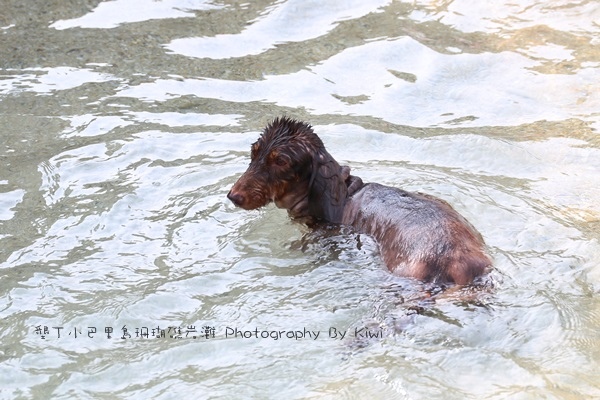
<point>282,165</point>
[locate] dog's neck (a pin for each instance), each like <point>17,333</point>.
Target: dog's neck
<point>328,190</point>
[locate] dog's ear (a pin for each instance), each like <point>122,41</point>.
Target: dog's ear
<point>353,183</point>
<point>328,190</point>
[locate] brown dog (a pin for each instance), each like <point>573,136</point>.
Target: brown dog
<point>419,235</point>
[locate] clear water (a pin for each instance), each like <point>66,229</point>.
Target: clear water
<point>124,123</point>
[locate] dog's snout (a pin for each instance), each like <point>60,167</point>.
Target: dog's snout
<point>236,198</point>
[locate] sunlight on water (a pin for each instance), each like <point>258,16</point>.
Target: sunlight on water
<point>289,21</point>
<point>457,86</point>
<point>110,14</point>
<point>127,272</point>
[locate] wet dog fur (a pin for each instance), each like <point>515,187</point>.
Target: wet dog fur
<point>419,235</point>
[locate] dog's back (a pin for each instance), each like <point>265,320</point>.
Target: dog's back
<point>418,235</point>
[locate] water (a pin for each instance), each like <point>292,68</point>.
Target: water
<point>125,123</point>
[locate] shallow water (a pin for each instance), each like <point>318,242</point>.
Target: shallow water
<point>125,270</point>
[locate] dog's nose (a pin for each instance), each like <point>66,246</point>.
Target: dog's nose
<point>236,198</point>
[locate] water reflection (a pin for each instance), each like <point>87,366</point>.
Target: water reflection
<point>505,18</point>
<point>289,21</point>
<point>125,123</point>
<point>47,80</point>
<point>111,14</point>
<point>458,89</point>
